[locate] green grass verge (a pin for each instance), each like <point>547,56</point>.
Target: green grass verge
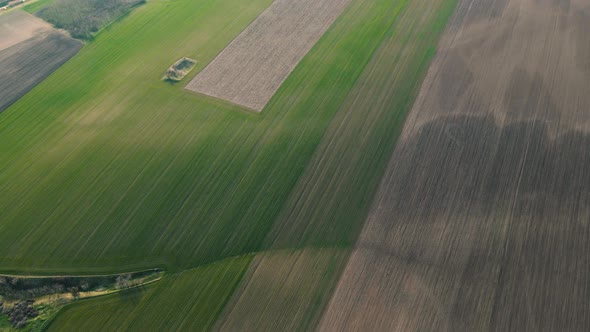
<point>4,323</point>
<point>330,203</point>
<point>36,6</point>
<point>186,301</point>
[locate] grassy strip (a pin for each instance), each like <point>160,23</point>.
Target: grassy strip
<point>188,301</point>
<point>331,200</point>
<point>36,5</point>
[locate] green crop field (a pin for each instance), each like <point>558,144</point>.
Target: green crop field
<point>106,168</point>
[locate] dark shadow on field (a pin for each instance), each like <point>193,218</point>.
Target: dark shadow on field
<point>472,161</point>
<point>132,296</point>
<point>491,221</point>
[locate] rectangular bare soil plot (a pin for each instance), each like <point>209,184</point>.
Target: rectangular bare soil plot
<point>253,66</point>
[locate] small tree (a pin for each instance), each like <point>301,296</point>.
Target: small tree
<point>75,292</point>
<point>123,281</point>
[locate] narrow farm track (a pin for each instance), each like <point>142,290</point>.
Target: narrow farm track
<point>481,222</point>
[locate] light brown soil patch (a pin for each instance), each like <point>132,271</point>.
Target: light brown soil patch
<point>17,26</point>
<point>252,67</point>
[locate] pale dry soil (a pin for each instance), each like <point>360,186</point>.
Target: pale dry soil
<point>252,67</point>
<point>481,222</point>
<point>17,26</point>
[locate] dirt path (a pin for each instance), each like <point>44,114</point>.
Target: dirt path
<point>482,219</point>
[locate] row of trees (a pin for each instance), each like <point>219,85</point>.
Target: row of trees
<point>20,289</point>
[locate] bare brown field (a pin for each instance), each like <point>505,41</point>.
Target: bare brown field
<point>252,67</point>
<point>17,26</point>
<point>24,65</point>
<point>481,222</point>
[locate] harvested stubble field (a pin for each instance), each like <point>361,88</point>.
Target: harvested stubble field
<point>482,220</point>
<point>30,50</point>
<point>102,175</point>
<point>251,68</point>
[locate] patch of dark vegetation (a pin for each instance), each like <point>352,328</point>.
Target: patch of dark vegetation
<point>19,313</point>
<point>19,289</point>
<point>84,18</point>
<point>26,64</point>
<point>179,70</point>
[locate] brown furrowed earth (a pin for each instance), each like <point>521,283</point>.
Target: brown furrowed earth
<point>482,221</point>
<point>31,54</point>
<point>252,67</point>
